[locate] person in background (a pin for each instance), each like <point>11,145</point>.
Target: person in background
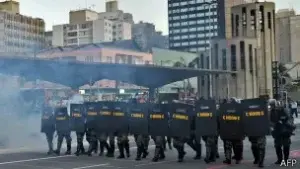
<point>293,108</point>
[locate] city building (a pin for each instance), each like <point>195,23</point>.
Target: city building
<point>123,52</point>
<point>287,36</point>
<point>20,35</point>
<point>48,39</point>
<point>112,12</point>
<point>193,23</point>
<point>147,37</point>
<point>251,51</point>
<point>85,28</point>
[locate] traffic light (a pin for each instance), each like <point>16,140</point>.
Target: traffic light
<point>276,80</point>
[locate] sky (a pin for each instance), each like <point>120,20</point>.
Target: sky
<point>154,11</point>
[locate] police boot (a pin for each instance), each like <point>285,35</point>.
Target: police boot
<point>96,147</point>
<point>68,152</point>
<point>121,150</point>
<point>156,154</point>
<point>127,148</point>
<point>278,154</point>
<point>145,152</point>
<point>139,153</point>
<point>77,151</point>
<point>162,154</point>
<point>286,152</point>
<point>255,154</point>
<point>102,145</point>
<point>82,149</point>
<point>261,158</point>
<point>181,154</point>
<point>91,148</point>
<point>57,151</point>
<point>198,152</point>
<point>111,151</point>
<point>50,149</point>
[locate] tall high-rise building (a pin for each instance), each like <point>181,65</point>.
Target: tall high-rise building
<point>192,23</point>
<point>287,36</point>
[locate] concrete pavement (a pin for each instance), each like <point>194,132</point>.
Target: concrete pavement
<point>36,159</point>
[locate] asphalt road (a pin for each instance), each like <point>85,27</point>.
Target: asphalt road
<point>25,159</point>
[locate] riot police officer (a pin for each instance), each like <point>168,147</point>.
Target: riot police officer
<point>63,129</point>
<point>233,144</point>
<point>48,127</point>
<point>283,130</point>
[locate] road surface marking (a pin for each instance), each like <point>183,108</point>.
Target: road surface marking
<point>33,159</point>
<point>92,166</point>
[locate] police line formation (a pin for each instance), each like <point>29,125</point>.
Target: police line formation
<point>101,122</point>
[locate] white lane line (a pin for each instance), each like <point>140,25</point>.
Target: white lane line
<point>34,159</point>
<point>92,166</point>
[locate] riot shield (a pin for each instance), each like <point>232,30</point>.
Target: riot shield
<point>105,121</point>
<point>48,121</point>
<point>62,120</point>
<point>180,123</point>
<point>158,120</point>
<point>205,118</point>
<point>119,117</point>
<point>138,118</point>
<point>77,117</point>
<point>231,126</point>
<point>91,109</point>
<point>256,117</point>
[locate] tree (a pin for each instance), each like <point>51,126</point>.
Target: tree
<point>182,63</point>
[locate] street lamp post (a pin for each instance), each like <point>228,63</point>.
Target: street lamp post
<point>209,5</point>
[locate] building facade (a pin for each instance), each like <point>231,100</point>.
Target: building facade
<point>240,55</point>
<point>20,35</point>
<point>146,36</point>
<point>100,53</point>
<point>85,30</point>
<point>112,12</point>
<point>193,23</point>
<point>287,36</point>
<point>253,24</point>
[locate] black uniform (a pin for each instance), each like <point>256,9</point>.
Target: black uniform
<point>48,127</point>
<point>63,129</point>
<point>283,130</point>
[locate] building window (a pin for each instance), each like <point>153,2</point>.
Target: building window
<point>244,21</point>
<point>242,53</point>
<point>207,62</point>
<point>269,20</point>
<point>256,62</point>
<point>237,25</point>
<point>262,18</point>
<point>233,57</point>
<point>202,60</point>
<point>217,56</point>
<point>253,19</point>
<point>224,62</point>
<point>232,23</point>
<point>251,58</point>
